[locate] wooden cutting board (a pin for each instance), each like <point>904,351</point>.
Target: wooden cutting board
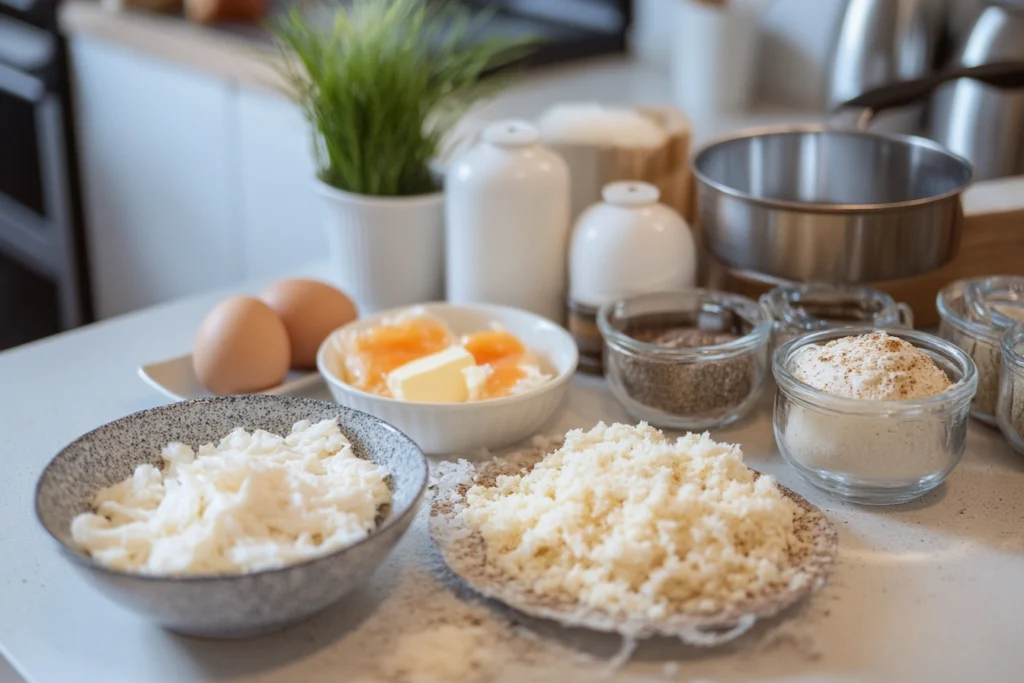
<point>992,244</point>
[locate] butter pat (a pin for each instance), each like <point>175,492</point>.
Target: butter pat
<point>436,378</point>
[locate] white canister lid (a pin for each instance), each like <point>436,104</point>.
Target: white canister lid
<point>630,193</point>
<point>511,133</point>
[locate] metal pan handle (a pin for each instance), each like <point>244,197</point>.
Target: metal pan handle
<point>858,112</point>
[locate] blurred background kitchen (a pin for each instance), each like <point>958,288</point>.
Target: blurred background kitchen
<point>147,151</point>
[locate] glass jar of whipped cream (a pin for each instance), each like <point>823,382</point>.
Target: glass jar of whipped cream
<point>802,309</point>
<point>872,437</point>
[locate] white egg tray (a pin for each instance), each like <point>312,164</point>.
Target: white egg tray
<point>176,379</point>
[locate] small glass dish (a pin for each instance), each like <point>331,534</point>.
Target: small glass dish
<point>802,309</point>
<point>869,451</point>
<point>686,360</point>
<point>964,321</point>
<point>999,299</point>
<point>1010,407</point>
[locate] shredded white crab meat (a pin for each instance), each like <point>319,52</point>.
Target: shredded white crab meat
<point>254,501</point>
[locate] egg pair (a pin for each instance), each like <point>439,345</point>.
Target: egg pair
<point>247,344</point>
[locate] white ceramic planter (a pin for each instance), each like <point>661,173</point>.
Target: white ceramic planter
<point>385,251</point>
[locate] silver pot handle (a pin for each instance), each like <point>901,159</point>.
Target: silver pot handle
<point>851,118</point>
<point>857,113</point>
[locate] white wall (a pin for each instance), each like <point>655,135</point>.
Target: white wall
<point>796,39</point>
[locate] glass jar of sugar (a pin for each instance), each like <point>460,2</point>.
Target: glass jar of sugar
<point>975,314</point>
<point>869,450</point>
<point>802,309</point>
<point>1010,405</point>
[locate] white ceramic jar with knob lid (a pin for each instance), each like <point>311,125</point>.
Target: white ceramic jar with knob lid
<point>627,245</point>
<point>507,222</point>
<point>630,244</point>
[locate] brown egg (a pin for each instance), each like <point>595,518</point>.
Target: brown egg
<point>310,310</point>
<point>241,347</point>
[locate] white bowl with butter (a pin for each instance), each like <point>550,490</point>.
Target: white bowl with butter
<point>451,426</point>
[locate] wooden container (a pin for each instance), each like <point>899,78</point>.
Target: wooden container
<point>667,166</point>
<point>992,244</point>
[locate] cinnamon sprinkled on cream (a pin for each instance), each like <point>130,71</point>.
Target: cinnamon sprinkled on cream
<point>873,366</point>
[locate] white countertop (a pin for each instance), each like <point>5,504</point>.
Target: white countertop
<point>926,591</point>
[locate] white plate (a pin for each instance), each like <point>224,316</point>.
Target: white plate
<point>176,379</point>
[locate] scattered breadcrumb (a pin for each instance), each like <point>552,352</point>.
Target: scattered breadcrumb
<point>448,652</point>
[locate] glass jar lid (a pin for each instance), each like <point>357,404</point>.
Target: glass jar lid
<point>997,301</point>
<point>1013,347</point>
<point>812,307</point>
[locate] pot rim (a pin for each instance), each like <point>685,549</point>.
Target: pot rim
<point>823,207</point>
<point>331,192</point>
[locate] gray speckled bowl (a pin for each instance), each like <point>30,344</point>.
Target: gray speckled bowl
<point>227,606</point>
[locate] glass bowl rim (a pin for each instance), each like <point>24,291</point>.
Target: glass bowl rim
<point>988,333</point>
<point>1012,345</point>
<point>792,293</point>
<point>749,310</point>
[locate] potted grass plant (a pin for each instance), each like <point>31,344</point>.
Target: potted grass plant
<point>382,82</point>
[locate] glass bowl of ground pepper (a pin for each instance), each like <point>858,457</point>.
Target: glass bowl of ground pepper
<point>686,360</point>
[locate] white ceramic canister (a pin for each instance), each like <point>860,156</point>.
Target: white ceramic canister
<point>507,222</point>
<point>713,54</point>
<point>627,245</point>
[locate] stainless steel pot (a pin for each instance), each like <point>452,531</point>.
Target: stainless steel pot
<point>985,125</point>
<point>843,206</point>
<point>882,41</point>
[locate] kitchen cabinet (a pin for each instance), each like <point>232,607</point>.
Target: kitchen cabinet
<point>190,181</point>
<point>159,183</point>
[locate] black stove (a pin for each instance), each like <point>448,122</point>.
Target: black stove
<point>43,288</point>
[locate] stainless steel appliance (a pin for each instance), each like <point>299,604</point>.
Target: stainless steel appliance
<point>814,204</point>
<point>880,42</point>
<point>981,123</point>
<point>42,262</point>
